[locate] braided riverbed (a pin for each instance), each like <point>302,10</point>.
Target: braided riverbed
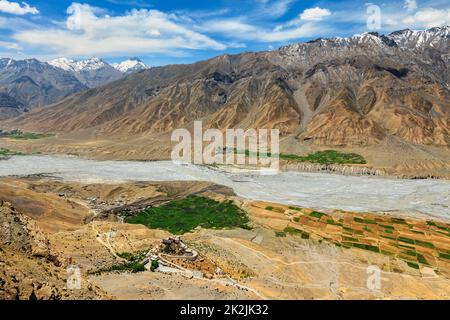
<point>314,190</point>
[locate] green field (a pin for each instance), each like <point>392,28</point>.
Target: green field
<point>327,157</point>
<point>28,136</point>
<point>184,215</point>
<point>6,153</point>
<point>316,214</point>
<point>133,263</point>
<point>294,231</point>
<point>320,157</point>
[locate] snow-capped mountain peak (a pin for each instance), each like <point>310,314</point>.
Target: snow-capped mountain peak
<point>434,37</point>
<point>63,63</point>
<point>437,38</point>
<point>6,62</point>
<point>130,65</point>
<point>94,72</point>
<point>93,63</point>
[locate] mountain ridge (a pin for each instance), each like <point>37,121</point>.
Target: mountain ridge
<point>371,86</point>
<point>29,83</point>
<point>127,66</point>
<point>92,72</point>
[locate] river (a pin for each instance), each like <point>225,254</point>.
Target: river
<point>314,190</point>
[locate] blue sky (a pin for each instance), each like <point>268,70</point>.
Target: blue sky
<point>175,31</point>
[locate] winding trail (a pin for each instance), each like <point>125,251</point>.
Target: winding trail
<point>107,243</point>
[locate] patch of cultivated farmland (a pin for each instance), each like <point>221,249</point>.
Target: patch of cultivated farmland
<point>4,153</point>
<point>184,215</point>
<point>320,157</point>
<point>28,136</point>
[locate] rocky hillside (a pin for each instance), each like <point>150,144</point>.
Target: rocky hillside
<point>354,91</point>
<point>9,106</point>
<point>30,270</point>
<point>30,83</point>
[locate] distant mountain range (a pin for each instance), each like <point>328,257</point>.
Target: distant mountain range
<point>25,84</point>
<point>354,91</point>
<point>95,72</point>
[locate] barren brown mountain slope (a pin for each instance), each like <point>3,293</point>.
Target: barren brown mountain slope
<point>29,268</point>
<point>361,92</point>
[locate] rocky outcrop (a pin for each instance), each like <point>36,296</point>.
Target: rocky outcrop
<point>28,268</point>
<point>22,234</point>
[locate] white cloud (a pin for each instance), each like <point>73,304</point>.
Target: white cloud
<point>231,26</point>
<point>15,23</point>
<point>303,31</point>
<point>315,14</point>
<point>428,18</point>
<point>393,17</point>
<point>276,8</point>
<point>410,5</point>
<point>88,31</point>
<point>237,28</point>
<point>297,27</point>
<point>9,45</point>
<point>17,8</point>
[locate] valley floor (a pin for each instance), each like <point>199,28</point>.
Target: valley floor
<point>392,157</point>
<point>289,252</point>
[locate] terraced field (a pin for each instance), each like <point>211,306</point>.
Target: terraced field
<point>419,243</point>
